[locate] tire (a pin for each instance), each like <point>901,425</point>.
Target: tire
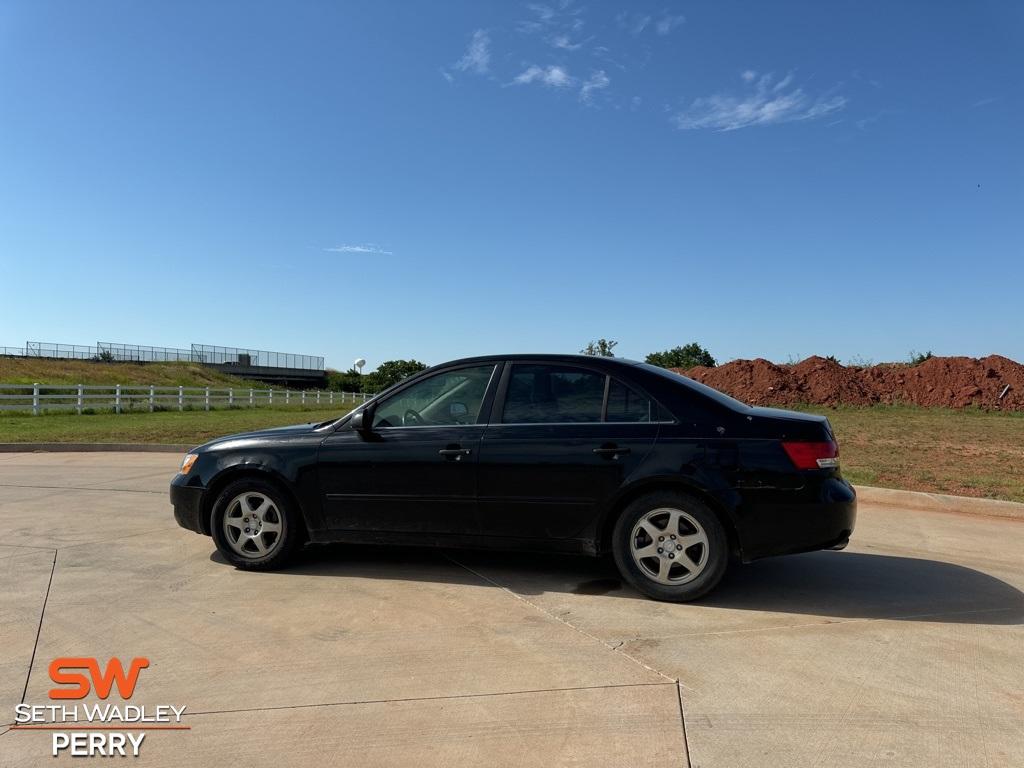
<point>688,566</point>
<point>261,517</point>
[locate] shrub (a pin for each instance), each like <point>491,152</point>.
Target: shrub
<point>916,358</point>
<point>689,356</point>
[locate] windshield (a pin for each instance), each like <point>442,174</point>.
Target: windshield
<point>719,397</point>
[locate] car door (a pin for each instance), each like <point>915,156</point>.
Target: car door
<point>562,440</point>
<point>414,469</point>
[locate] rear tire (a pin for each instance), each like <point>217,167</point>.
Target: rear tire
<point>255,526</point>
<point>671,546</point>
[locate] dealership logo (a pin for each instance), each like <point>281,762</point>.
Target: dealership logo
<point>60,673</point>
<point>96,730</point>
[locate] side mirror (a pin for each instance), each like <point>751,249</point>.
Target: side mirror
<point>361,421</point>
<point>458,412</point>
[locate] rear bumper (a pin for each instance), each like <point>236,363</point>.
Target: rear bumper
<point>821,515</point>
<point>187,501</point>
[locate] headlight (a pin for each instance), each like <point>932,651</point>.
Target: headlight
<point>187,462</point>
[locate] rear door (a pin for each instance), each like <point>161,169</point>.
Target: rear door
<point>562,439</point>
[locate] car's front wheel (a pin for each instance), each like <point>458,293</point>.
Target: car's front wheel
<point>255,526</point>
<point>670,546</point>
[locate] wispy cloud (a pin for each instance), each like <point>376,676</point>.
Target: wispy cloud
<point>633,23</point>
<point>667,23</point>
<point>553,76</point>
<point>559,25</point>
<point>766,101</point>
<point>565,43</point>
<point>361,248</point>
<point>985,102</point>
<point>596,82</point>
<point>477,58</point>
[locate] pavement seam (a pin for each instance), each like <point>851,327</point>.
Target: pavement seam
<point>559,619</point>
<point>39,629</point>
<point>682,722</point>
<point>427,698</point>
<point>837,622</point>
<point>117,538</point>
<point>77,488</point>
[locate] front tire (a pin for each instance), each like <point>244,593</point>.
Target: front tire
<point>670,546</point>
<point>255,526</point>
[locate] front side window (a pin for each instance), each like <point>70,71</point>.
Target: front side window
<point>546,394</point>
<point>444,399</point>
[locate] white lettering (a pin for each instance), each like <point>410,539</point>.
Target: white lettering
<point>136,742</point>
<point>60,741</point>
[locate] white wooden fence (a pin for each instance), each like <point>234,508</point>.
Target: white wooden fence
<point>40,398</point>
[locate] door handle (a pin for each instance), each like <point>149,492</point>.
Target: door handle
<point>611,450</point>
<point>456,453</point>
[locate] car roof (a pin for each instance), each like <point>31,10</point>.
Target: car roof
<point>548,357</point>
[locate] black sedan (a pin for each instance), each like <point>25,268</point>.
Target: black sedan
<point>537,452</point>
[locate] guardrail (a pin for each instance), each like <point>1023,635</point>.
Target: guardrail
<point>79,398</point>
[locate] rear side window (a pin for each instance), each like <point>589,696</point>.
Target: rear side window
<point>626,404</point>
<point>539,394</point>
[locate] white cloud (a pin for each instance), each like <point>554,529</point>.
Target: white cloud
<point>363,248</point>
<point>765,102</point>
<point>597,81</point>
<point>477,57</point>
<point>553,76</point>
<point>560,25</point>
<point>563,42</point>
<point>667,23</point>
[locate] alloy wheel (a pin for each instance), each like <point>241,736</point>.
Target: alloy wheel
<point>253,525</point>
<point>669,546</point>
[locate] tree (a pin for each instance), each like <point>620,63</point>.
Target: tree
<point>349,381</point>
<point>390,372</point>
<point>600,348</point>
<point>683,357</point>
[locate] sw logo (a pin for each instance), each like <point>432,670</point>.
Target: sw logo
<point>102,683</point>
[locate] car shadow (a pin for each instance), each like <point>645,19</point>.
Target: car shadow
<point>846,585</point>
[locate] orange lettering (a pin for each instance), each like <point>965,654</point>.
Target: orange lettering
<point>102,683</point>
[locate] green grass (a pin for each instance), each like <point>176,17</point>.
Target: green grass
<point>185,427</point>
<point>969,452</point>
<point>29,370</point>
<point>963,452</point>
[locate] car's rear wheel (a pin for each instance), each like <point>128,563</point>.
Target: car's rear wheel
<point>670,546</point>
<point>255,526</point>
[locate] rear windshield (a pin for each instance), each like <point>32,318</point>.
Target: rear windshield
<point>719,397</point>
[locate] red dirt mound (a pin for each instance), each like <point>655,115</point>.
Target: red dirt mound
<point>950,382</point>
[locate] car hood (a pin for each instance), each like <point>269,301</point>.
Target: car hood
<point>294,429</point>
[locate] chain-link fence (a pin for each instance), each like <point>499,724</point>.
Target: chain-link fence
<point>206,354</point>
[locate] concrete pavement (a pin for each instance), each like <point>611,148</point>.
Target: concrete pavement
<point>906,649</point>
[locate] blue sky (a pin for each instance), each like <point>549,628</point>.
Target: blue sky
<point>434,180</point>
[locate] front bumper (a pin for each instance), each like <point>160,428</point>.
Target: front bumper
<point>821,515</point>
<point>188,503</point>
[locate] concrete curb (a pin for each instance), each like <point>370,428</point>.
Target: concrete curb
<point>940,502</point>
<point>93,447</point>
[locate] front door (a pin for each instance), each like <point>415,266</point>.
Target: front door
<point>415,470</point>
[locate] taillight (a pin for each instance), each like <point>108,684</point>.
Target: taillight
<point>813,455</point>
